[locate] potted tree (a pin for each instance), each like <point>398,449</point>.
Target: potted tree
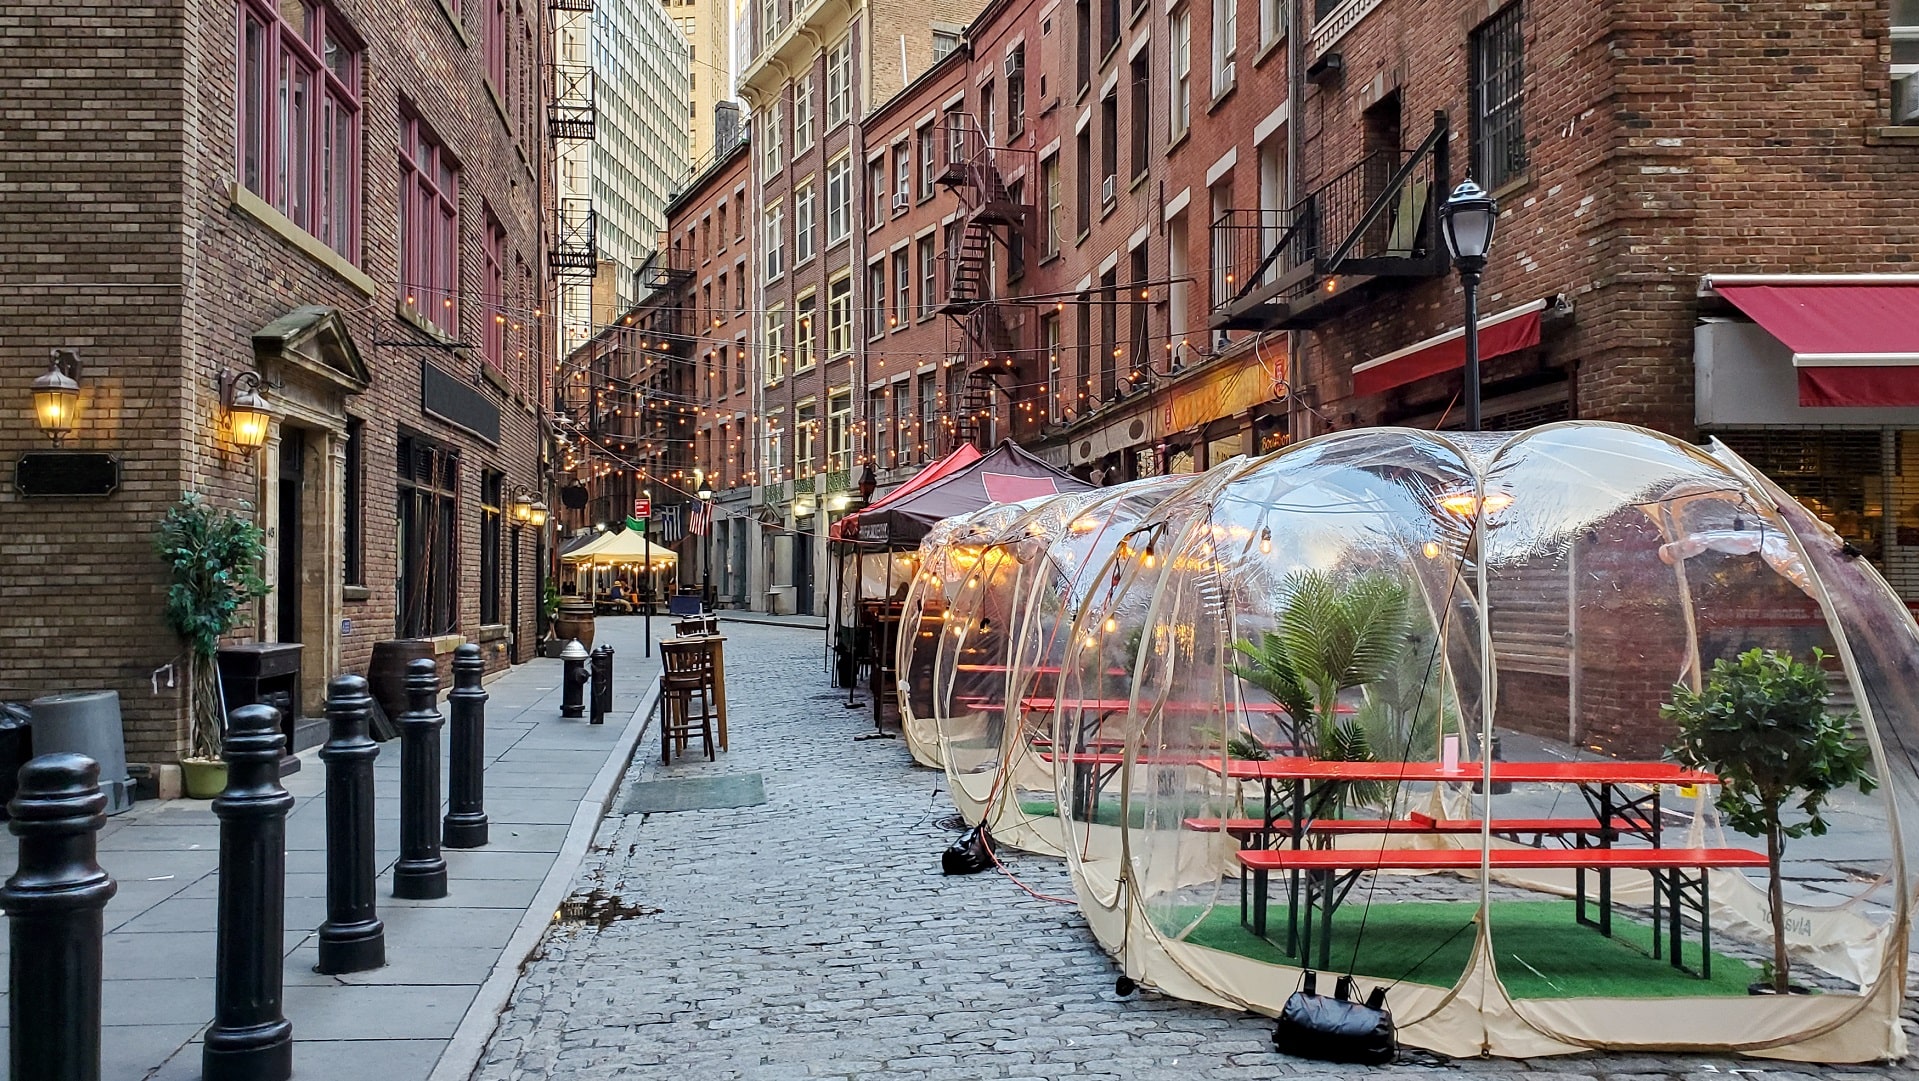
<point>1761,725</point>
<point>214,560</point>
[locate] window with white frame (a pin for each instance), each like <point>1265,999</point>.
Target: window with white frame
<point>773,447</point>
<point>1049,337</point>
<point>299,117</point>
<point>769,21</point>
<point>877,190</point>
<point>928,137</point>
<point>773,351</point>
<point>806,434</point>
<point>929,275</point>
<point>876,298</point>
<point>1225,43</point>
<point>1015,91</point>
<point>803,223</point>
<point>1049,206</point>
<point>1178,288</point>
<point>770,160</point>
<point>775,242</point>
<point>1272,197</point>
<point>1221,200</point>
<point>839,316</point>
<point>839,83</point>
<point>805,330</point>
<point>802,114</point>
<point>902,287</point>
<point>1905,62</point>
<point>839,429</point>
<point>1272,21</point>
<point>944,41</point>
<point>1180,85</point>
<point>839,199</point>
<point>902,173</point>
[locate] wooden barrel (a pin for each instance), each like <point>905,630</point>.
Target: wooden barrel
<point>386,673</point>
<point>575,621</point>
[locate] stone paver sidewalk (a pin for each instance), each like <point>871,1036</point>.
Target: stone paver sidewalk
<point>813,936</point>
<point>450,963</point>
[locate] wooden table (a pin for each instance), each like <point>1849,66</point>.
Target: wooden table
<point>716,645</point>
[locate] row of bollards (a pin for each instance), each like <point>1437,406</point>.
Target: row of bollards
<point>579,669</point>
<point>55,899</point>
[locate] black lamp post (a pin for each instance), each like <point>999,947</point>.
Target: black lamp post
<point>1468,220</point>
<point>706,557</point>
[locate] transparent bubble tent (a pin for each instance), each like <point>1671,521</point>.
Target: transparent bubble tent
<point>1401,704</point>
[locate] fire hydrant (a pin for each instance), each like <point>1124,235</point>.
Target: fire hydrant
<point>602,683</point>
<point>573,679</point>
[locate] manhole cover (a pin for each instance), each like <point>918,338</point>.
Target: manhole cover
<point>952,822</point>
<point>597,909</point>
<point>693,794</point>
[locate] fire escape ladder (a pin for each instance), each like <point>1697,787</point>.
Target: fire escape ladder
<point>575,251</point>
<point>966,269</point>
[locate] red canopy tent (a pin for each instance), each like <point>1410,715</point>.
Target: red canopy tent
<point>965,454</point>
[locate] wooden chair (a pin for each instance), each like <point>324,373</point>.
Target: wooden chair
<point>687,677</point>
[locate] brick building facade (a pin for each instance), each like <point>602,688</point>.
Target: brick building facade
<point>345,199</point>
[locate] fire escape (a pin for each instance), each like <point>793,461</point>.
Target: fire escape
<point>993,222</point>
<point>573,254</point>
<point>1373,226</point>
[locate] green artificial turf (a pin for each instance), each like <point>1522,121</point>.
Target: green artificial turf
<point>1108,813</point>
<point>1539,950</point>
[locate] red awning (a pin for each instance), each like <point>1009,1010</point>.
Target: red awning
<point>1507,332</point>
<point>962,456</point>
<point>1854,343</point>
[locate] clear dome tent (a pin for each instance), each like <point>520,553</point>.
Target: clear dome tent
<point>1395,706</point>
<point>944,563</point>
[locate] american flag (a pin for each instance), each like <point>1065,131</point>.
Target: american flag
<point>700,520</point>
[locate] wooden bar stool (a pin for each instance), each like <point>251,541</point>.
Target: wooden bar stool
<point>687,677</point>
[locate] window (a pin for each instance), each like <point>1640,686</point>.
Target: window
<point>739,287</point>
<point>929,414</point>
<point>428,539</point>
<point>902,174</point>
<point>1083,21</point>
<point>988,118</point>
<point>1272,21</point>
<point>1108,142</point>
<point>902,287</point>
<point>955,135</point>
<point>1108,25</point>
<point>929,153</point>
<point>839,199</point>
<point>775,242</point>
<point>769,21</point>
<point>1138,355</point>
<point>876,190</point>
<point>1141,106</point>
<point>739,219</point>
<point>1499,99</point>
<point>805,330</point>
<point>1016,238</point>
<point>1049,340</point>
<point>1049,206</point>
<point>876,298</point>
<point>1181,106</point>
<point>839,317</point>
<point>803,225</point>
<point>770,159</point>
<point>1083,372</point>
<point>773,447</point>
<point>1178,268</point>
<point>492,489</point>
<point>806,435</point>
<point>429,227</point>
<point>1272,197</point>
<point>1015,91</point>
<point>929,275</point>
<point>802,114</point>
<point>353,571</point>
<point>877,423</point>
<point>773,350</point>
<point>1905,62</point>
<point>1225,43</point>
<point>944,41</point>
<point>1083,143</point>
<point>1108,332</point>
<point>839,430</point>
<point>839,86</point>
<point>493,259</point>
<point>1221,196</point>
<point>496,17</point>
<point>299,117</point>
<point>739,362</point>
<point>719,226</point>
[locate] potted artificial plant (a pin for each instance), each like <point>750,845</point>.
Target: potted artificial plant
<point>214,556</point>
<point>1761,725</point>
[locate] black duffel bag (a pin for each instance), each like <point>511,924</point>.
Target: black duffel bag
<point>971,854</point>
<point>1336,1029</point>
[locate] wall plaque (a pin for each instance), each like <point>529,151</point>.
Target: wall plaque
<point>71,474</point>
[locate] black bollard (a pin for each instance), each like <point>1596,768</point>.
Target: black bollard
<point>249,1039</point>
<point>421,873</point>
<point>573,677</point>
<point>54,904</point>
<point>465,825</point>
<point>602,684</point>
<point>352,939</point>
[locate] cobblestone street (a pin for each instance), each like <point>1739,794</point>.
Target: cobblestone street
<point>814,936</point>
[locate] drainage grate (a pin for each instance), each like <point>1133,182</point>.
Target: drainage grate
<point>597,908</point>
<point>693,794</point>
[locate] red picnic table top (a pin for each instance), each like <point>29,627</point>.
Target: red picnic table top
<point>1461,859</point>
<point>1047,701</point>
<point>1573,772</point>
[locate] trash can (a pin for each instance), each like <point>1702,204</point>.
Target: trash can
<point>88,723</point>
<point>16,746</point>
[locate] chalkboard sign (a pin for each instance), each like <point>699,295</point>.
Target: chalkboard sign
<point>67,473</point>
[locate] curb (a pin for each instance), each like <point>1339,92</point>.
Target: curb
<point>462,1053</point>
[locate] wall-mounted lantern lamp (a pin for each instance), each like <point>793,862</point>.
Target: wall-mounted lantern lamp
<point>537,518</point>
<point>56,395</point>
<point>248,415</point>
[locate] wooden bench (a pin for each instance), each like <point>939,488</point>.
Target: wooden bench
<point>1330,874</point>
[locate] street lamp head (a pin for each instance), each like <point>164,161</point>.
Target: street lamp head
<point>869,483</point>
<point>536,515</point>
<point>56,395</point>
<point>1468,220</point>
<point>705,493</point>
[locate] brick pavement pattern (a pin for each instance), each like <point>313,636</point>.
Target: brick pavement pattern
<point>814,937</point>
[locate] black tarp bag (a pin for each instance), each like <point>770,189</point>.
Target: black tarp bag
<point>970,854</point>
<point>1336,1029</point>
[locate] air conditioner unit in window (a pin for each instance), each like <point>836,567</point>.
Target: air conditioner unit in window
<point>1015,64</point>
<point>1107,189</point>
<point>1905,99</point>
<point>901,201</point>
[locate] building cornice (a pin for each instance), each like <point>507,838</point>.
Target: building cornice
<point>772,68</point>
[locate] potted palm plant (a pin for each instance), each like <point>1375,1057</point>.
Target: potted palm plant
<point>1761,725</point>
<point>213,557</point>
